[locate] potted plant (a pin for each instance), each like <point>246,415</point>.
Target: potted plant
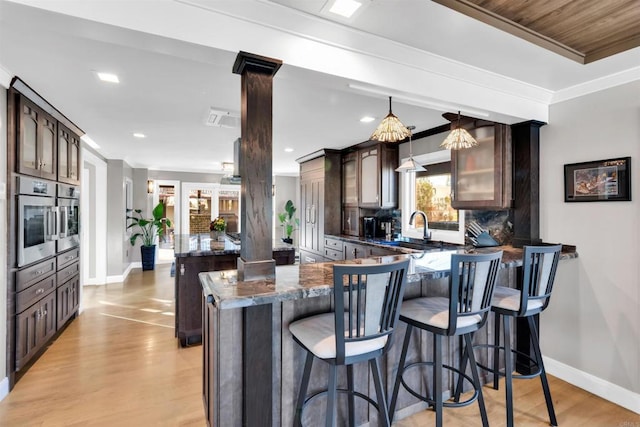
<point>217,228</point>
<point>288,222</point>
<point>148,230</point>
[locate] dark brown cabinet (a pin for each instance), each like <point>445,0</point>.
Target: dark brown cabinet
<point>188,295</point>
<point>377,176</point>
<point>34,327</point>
<point>68,300</point>
<point>350,179</point>
<point>481,175</point>
<point>36,141</point>
<point>320,199</point>
<point>68,156</point>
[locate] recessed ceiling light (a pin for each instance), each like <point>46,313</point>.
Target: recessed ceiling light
<point>288,150</point>
<point>108,77</point>
<point>90,142</point>
<point>139,135</point>
<point>345,8</point>
<point>367,119</point>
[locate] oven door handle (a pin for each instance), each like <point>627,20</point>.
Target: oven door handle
<point>52,224</point>
<point>63,221</point>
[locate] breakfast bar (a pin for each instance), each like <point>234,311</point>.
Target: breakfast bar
<point>246,387</point>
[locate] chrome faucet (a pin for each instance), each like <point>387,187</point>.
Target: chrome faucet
<point>426,235</point>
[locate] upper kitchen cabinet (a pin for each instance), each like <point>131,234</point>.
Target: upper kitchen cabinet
<point>350,178</point>
<point>377,178</point>
<point>319,201</point>
<point>481,175</point>
<point>36,141</point>
<point>68,156</point>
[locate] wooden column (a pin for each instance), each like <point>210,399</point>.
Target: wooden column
<point>526,182</point>
<point>256,261</point>
<point>256,258</point>
<point>526,218</point>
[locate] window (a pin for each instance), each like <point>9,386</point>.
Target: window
<point>430,192</point>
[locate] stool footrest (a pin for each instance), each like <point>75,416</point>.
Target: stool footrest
<point>344,391</point>
<point>431,402</point>
<point>501,373</point>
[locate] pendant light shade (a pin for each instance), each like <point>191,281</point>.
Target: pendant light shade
<point>458,138</point>
<point>410,165</point>
<point>390,129</point>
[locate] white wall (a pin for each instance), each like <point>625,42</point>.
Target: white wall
<point>591,330</point>
<point>4,381</point>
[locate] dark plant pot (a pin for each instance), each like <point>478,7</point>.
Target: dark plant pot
<point>287,240</point>
<point>148,254</point>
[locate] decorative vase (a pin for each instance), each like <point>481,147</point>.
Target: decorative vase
<point>217,236</point>
<point>148,256</point>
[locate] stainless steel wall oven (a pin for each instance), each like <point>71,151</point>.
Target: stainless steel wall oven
<point>37,232</point>
<point>68,217</point>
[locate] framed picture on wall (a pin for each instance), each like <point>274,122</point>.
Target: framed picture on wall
<point>598,181</point>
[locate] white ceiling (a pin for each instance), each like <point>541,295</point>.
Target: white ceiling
<point>174,60</point>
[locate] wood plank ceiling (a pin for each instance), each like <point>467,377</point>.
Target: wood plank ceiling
<point>582,30</point>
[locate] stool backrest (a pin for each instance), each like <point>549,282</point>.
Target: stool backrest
<point>373,295</point>
<point>539,264</point>
<point>472,281</point>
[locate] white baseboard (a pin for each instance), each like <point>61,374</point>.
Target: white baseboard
<point>604,389</point>
<point>121,278</point>
<point>4,387</point>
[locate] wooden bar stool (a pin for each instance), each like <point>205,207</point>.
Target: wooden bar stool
<point>471,286</point>
<point>539,265</point>
<point>359,330</point>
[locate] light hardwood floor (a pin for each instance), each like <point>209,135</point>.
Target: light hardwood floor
<point>118,364</point>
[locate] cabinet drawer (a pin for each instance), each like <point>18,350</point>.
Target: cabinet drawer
<point>29,296</point>
<point>67,272</point>
<point>68,257</point>
<point>310,258</point>
<point>30,275</point>
<point>334,254</point>
<point>334,244</point>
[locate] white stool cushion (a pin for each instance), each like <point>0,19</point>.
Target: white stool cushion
<point>509,299</point>
<point>317,334</point>
<point>434,311</point>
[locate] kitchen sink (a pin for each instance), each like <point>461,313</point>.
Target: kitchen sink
<point>426,246</point>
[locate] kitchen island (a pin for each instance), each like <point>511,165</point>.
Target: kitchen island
<point>257,388</point>
<point>195,253</point>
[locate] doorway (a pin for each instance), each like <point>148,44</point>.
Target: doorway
<point>167,192</point>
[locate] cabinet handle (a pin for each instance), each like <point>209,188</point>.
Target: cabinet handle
<point>38,272</point>
<point>182,269</point>
<point>44,313</point>
<point>39,291</point>
<point>307,215</point>
<point>38,314</point>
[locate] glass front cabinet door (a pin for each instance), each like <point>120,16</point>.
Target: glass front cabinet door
<point>481,175</point>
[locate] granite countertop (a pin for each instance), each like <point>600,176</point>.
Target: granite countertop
<point>311,280</point>
<point>203,245</point>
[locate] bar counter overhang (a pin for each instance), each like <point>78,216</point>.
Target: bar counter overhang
<point>252,368</point>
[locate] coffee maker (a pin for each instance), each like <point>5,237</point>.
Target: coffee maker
<point>369,227</point>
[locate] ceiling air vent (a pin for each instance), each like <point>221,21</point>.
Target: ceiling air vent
<point>219,118</point>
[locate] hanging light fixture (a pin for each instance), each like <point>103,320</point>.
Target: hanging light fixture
<point>390,129</point>
<point>459,138</point>
<point>410,165</point>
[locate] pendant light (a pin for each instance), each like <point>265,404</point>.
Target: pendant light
<point>390,129</point>
<point>410,165</point>
<point>459,138</point>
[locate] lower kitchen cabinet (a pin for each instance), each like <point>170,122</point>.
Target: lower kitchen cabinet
<point>34,327</point>
<point>68,300</point>
<point>188,293</point>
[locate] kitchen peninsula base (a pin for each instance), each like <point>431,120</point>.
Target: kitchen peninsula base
<point>231,382</point>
